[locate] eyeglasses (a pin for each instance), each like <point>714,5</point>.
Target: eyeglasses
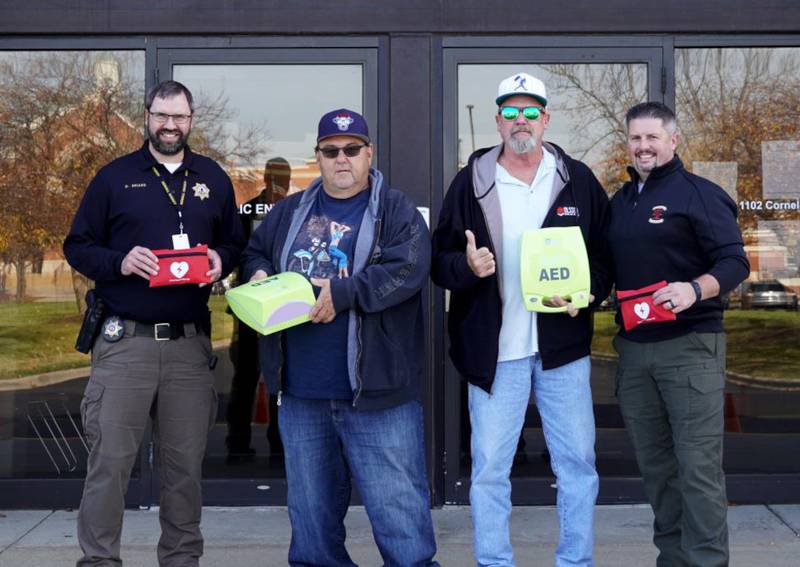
<point>161,117</point>
<point>332,152</point>
<point>529,112</point>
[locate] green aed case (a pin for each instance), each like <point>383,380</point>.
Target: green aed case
<point>554,262</point>
<point>273,304</point>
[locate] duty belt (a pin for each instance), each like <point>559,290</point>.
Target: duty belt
<point>162,331</point>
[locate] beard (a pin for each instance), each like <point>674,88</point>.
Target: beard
<point>646,168</point>
<point>521,145</point>
<point>167,148</point>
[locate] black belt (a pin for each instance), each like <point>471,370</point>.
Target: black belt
<point>163,331</point>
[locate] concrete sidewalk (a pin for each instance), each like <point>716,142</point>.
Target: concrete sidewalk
<point>761,536</point>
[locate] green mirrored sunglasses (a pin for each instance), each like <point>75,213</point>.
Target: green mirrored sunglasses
<point>529,112</point>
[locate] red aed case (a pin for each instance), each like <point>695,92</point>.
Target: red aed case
<point>178,267</point>
<point>637,307</point>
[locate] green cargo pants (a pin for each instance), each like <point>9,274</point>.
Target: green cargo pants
<point>671,396</point>
<point>133,380</point>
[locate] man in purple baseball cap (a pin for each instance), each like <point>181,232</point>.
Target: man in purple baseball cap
<point>348,383</point>
<point>343,122</point>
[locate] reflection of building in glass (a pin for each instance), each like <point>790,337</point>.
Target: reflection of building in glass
<point>774,252</point>
<point>107,71</point>
<point>86,113</point>
<point>723,173</point>
<point>781,168</point>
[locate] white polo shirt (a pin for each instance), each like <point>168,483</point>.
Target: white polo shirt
<point>523,207</point>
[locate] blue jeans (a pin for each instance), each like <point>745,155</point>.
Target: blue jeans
<point>326,442</point>
<point>564,400</point>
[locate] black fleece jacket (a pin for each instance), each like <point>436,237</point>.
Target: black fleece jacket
<point>476,306</point>
<point>679,227</point>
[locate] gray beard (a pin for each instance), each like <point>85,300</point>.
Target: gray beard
<point>521,146</point>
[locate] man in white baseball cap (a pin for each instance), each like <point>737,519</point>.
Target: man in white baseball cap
<point>521,84</point>
<point>503,350</point>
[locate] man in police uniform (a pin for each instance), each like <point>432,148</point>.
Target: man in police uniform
<point>670,225</point>
<point>505,351</point>
<point>153,356</point>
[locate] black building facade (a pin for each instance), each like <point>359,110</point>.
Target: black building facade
<point>72,78</point>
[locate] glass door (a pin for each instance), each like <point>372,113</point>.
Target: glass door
<point>756,159</point>
<point>256,113</point>
<point>67,111</point>
<point>589,90</point>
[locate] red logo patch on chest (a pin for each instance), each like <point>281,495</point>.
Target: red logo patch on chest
<point>657,214</point>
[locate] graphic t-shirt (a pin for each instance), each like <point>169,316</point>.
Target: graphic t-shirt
<point>316,354</point>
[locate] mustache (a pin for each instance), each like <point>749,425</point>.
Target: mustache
<point>521,129</point>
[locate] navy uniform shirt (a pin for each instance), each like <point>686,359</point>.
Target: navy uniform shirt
<point>125,205</point>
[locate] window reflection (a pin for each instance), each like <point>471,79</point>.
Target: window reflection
<point>263,120</point>
<point>63,115</point>
<point>737,115</point>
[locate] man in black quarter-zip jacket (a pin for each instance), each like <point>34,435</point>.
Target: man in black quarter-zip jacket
<point>501,348</point>
<point>668,225</point>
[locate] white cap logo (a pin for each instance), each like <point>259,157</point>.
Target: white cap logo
<point>343,122</point>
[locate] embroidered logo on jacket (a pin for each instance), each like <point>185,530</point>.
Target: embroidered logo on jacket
<point>657,214</point>
<point>567,212</point>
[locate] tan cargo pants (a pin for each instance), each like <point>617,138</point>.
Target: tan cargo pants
<point>133,380</point>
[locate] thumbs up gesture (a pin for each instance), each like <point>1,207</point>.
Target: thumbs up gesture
<point>480,260</point>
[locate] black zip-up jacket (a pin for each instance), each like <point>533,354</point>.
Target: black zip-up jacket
<point>391,262</point>
<point>680,227</point>
<point>476,304</point>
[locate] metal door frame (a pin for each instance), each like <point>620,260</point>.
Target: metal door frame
<point>654,51</point>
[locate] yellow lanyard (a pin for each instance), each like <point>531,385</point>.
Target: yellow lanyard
<point>172,198</point>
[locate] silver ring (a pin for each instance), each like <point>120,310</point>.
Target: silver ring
<point>671,305</point>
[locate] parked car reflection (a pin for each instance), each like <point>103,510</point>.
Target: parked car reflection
<point>770,294</point>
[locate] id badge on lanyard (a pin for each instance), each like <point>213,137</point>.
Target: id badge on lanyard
<point>180,241</point>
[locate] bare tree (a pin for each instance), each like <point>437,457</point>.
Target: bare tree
<point>596,98</point>
<point>211,133</point>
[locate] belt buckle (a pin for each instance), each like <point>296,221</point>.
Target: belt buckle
<point>156,335</point>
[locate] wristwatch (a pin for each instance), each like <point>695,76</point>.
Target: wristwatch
<point>698,292</point>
